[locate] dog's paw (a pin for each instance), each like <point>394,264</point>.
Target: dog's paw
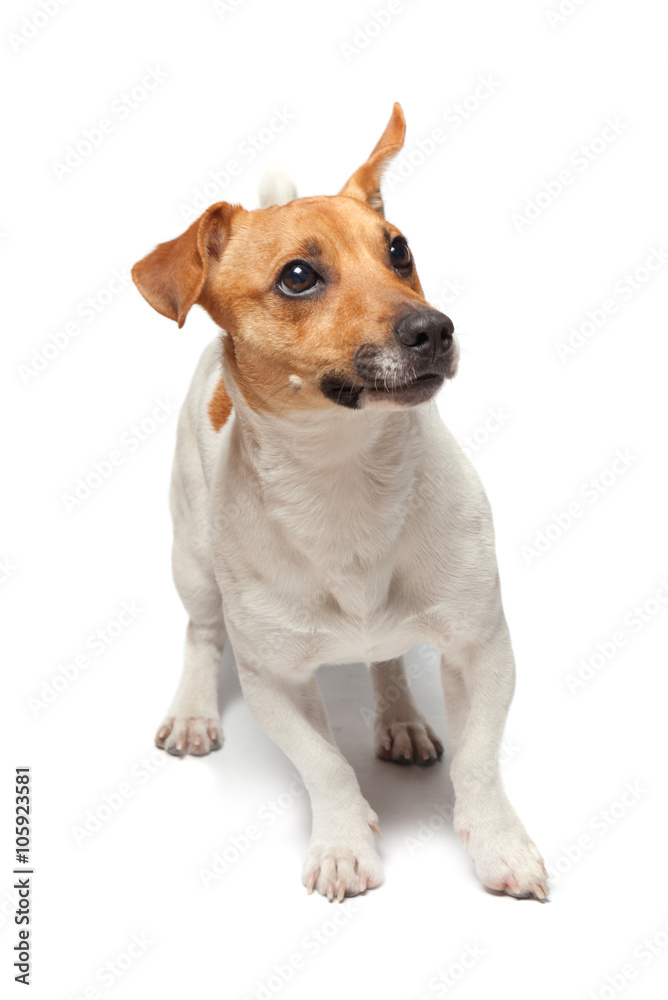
<point>408,743</point>
<point>507,861</point>
<point>196,736</point>
<point>344,862</point>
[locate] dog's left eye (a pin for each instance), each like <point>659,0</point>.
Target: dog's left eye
<point>400,255</point>
<point>297,277</point>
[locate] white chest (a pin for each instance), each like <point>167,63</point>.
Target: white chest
<point>325,549</point>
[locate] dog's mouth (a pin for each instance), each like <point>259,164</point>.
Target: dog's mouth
<point>409,391</point>
<point>412,390</point>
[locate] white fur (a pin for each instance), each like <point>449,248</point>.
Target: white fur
<point>276,187</point>
<point>334,537</point>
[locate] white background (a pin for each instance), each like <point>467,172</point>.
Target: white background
<point>570,753</point>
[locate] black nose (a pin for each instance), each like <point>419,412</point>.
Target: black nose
<point>427,332</point>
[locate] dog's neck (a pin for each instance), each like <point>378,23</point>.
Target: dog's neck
<point>320,438</point>
<point>349,473</point>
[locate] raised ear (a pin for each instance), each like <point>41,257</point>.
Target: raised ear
<point>171,278</point>
<point>365,182</point>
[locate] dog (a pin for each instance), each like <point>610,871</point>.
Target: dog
<point>323,514</point>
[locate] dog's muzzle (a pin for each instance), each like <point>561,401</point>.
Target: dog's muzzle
<point>408,371</point>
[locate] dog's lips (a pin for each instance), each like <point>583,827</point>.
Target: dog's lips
<point>392,389</point>
<point>415,389</point>
<point>342,391</point>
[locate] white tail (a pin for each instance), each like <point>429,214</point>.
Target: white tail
<point>276,187</point>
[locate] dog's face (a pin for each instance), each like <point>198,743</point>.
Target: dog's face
<point>320,298</point>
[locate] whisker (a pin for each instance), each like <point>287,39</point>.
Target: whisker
<point>218,360</point>
<point>286,386</point>
<point>340,391</point>
<point>295,389</point>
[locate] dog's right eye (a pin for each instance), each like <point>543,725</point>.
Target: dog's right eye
<point>297,277</point>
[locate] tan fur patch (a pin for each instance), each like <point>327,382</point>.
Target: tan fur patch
<point>220,406</point>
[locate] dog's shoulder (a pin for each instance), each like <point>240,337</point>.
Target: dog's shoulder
<point>206,410</point>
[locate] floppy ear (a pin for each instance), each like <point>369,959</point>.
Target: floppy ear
<point>365,182</point>
<point>172,277</point>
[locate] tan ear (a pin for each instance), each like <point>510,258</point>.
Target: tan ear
<point>171,278</point>
<point>365,182</point>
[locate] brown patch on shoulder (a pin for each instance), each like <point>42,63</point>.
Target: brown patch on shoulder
<point>220,406</point>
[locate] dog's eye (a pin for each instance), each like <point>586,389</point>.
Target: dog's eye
<point>297,277</point>
<point>400,255</point>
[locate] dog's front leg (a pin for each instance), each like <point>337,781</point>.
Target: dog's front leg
<point>342,859</point>
<point>478,683</point>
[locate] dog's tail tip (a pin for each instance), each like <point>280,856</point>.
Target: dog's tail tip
<point>276,187</point>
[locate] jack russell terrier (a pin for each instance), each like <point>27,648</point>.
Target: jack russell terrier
<point>323,513</point>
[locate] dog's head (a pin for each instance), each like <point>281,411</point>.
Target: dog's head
<point>320,297</point>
